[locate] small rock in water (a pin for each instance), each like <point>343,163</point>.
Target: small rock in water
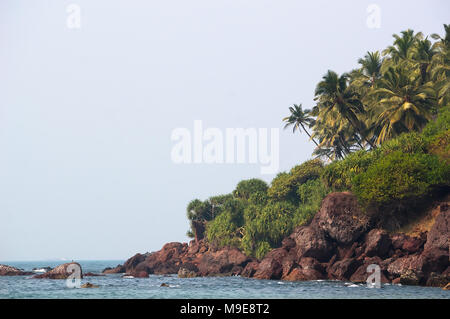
<point>89,285</point>
<point>164,285</point>
<point>447,286</point>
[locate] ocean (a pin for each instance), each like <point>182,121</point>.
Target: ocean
<point>113,286</point>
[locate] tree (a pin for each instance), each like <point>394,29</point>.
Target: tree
<point>333,93</point>
<point>405,104</point>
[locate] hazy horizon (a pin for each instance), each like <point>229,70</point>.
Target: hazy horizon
<point>86,114</point>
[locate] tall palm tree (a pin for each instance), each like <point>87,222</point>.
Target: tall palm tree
<point>424,56</point>
<point>299,118</point>
<point>371,67</point>
<point>333,93</point>
<point>405,104</point>
<point>403,47</point>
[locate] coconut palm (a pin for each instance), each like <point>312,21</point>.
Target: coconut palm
<point>299,118</point>
<point>333,93</point>
<point>404,103</point>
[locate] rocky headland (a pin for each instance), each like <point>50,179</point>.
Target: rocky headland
<point>338,244</point>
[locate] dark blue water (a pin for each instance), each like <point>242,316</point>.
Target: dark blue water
<point>113,286</point>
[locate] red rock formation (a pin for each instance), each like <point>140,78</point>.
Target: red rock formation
<point>6,270</point>
<point>59,272</point>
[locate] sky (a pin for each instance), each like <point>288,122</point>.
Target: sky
<point>89,101</point>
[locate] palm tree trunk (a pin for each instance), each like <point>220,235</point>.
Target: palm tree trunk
<point>307,133</point>
<point>359,131</point>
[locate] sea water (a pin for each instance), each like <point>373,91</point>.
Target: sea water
<point>114,286</point>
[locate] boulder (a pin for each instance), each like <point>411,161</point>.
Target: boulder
<point>311,242</point>
<point>377,243</point>
<point>250,269</point>
<point>187,271</point>
<point>221,261</point>
<point>89,285</point>
<point>410,277</point>
<point>300,274</point>
<point>271,266</point>
<point>343,269</point>
<point>438,280</point>
<point>341,218</point>
<point>59,272</point>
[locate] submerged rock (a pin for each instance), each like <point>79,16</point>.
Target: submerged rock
<point>89,285</point>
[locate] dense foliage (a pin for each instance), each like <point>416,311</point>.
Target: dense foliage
<point>385,130</point>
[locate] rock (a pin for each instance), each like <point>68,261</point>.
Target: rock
<point>89,285</point>
<point>342,270</point>
<point>90,274</point>
<point>377,243</point>
<point>299,274</point>
<point>413,244</point>
<point>447,286</point>
<point>410,277</point>
<point>438,280</point>
<point>250,269</point>
<point>288,243</point>
<point>400,265</point>
<point>271,266</point>
<point>396,281</point>
<point>341,218</point>
<point>221,261</point>
<point>116,270</point>
<point>188,271</point>
<point>59,272</point>
<point>6,270</point>
<point>139,274</point>
<point>361,275</point>
<point>164,285</point>
<point>311,242</point>
<point>439,234</point>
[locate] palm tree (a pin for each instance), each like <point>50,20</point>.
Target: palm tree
<point>371,67</point>
<point>404,103</point>
<point>299,118</point>
<point>440,66</point>
<point>403,47</point>
<point>424,56</point>
<point>333,93</point>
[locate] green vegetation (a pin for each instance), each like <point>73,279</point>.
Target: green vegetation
<point>384,130</point>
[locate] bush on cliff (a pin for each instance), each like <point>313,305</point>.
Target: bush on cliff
<point>284,186</point>
<point>398,176</point>
<point>246,188</point>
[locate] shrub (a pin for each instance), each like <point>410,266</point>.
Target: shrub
<point>407,143</point>
<point>338,175</point>
<point>222,231</point>
<point>246,188</point>
<point>284,186</point>
<point>270,223</point>
<point>399,176</point>
<point>440,146</point>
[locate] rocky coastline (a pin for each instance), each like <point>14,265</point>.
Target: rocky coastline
<point>339,244</point>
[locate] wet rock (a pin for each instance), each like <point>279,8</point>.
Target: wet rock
<point>188,271</point>
<point>89,285</point>
<point>250,269</point>
<point>90,274</point>
<point>271,266</point>
<point>410,277</point>
<point>300,274</point>
<point>60,272</point>
<point>342,270</point>
<point>6,270</point>
<point>438,280</point>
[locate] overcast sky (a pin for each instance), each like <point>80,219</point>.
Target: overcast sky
<point>86,114</point>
